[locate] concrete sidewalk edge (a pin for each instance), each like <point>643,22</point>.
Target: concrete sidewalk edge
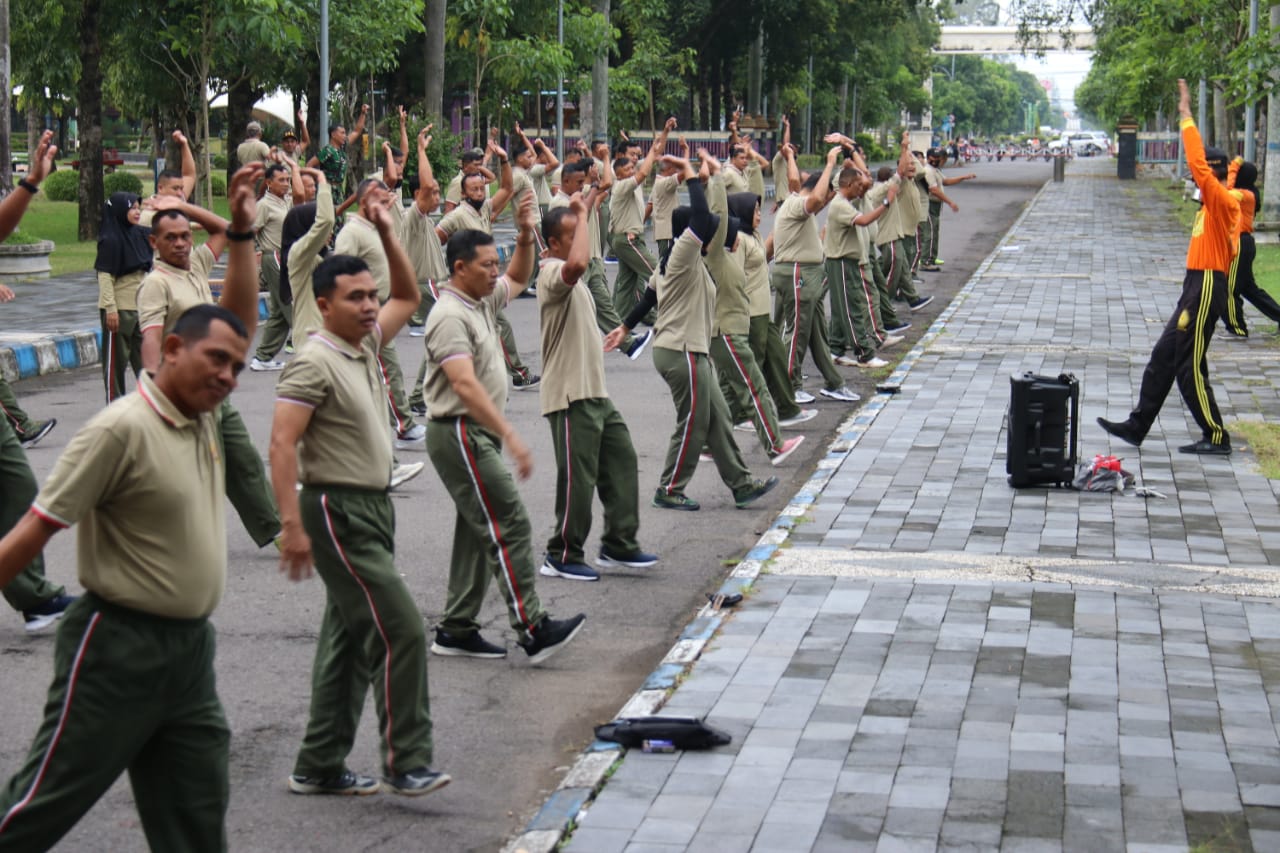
<point>590,771</point>
<point>63,351</point>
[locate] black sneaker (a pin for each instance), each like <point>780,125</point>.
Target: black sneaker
<point>1205,447</point>
<point>917,304</point>
<point>553,568</point>
<point>347,785</point>
<point>471,646</point>
<point>1122,430</point>
<point>748,495</point>
<point>901,327</point>
<point>551,635</point>
<point>638,343</point>
<point>41,431</point>
<point>47,612</point>
<point>637,560</point>
<point>416,783</point>
<point>662,500</point>
<point>419,409</point>
<point>524,383</point>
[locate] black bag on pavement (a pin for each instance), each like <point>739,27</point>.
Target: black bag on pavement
<point>1043,422</point>
<point>681,732</point>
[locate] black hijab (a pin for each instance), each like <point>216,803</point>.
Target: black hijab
<point>743,206</point>
<point>122,247</point>
<point>297,222</point>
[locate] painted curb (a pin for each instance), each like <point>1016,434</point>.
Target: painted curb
<point>588,774</point>
<point>55,353</point>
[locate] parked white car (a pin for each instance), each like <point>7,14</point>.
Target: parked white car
<point>1084,143</point>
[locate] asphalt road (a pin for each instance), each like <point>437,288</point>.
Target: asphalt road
<point>505,730</point>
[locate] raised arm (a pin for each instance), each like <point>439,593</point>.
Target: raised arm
<point>793,171</point>
<point>425,174</point>
<point>188,164</point>
<point>819,197</point>
<point>15,203</point>
<point>520,271</point>
<point>240,284</point>
<point>358,129</point>
<point>297,189</point>
<point>404,133</point>
<point>657,149</point>
<point>545,155</point>
<point>503,195</point>
<point>304,138</point>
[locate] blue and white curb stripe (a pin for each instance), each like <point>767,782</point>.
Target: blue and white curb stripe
<point>573,797</point>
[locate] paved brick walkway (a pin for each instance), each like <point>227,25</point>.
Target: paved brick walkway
<point>900,680</point>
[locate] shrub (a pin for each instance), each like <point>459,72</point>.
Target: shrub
<point>62,185</point>
<point>121,181</point>
<point>220,161</point>
<point>219,185</point>
<point>18,237</point>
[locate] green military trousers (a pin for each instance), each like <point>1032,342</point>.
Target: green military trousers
<point>799,291</point>
<point>371,635</point>
<point>134,692</point>
<point>594,454</point>
<point>18,489</point>
<point>635,266</point>
<point>855,308</point>
<point>429,296</point>
<point>120,349</point>
<point>279,316</point>
<point>744,388</point>
<point>491,534</point>
<point>702,418</point>
<point>21,422</point>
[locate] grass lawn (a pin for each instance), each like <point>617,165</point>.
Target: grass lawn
<point>58,221</point>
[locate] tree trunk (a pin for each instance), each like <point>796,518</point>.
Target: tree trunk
<point>844,103</point>
<point>755,73</point>
<point>1271,165</point>
<point>600,81</point>
<point>89,95</point>
<point>34,117</point>
<point>433,19</point>
<point>6,87</point>
<point>726,86</point>
<point>240,100</point>
<point>1219,117</point>
<point>713,83</point>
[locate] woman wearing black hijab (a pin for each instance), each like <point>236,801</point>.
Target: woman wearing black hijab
<point>124,258</point>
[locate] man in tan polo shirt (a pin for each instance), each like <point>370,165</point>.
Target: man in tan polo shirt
<point>328,433</point>
<point>466,432</point>
<point>626,224</point>
<point>253,149</point>
<point>178,281</point>
<point>592,444</point>
<point>133,686</point>
<point>272,209</point>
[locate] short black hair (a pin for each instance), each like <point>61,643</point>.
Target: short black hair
<point>325,279</point>
<point>621,162</point>
<point>885,173</point>
<point>335,127</point>
<point>551,222</point>
<point>193,324</point>
<point>811,181</point>
<point>362,188</point>
<point>575,167</point>
<point>464,245</point>
<point>168,175</point>
<point>465,178</point>
<point>472,155</point>
<point>621,146</point>
<point>736,150</point>
<point>162,215</point>
<point>274,169</point>
<point>518,148</point>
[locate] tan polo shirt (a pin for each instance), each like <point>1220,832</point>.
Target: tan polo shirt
<point>795,234</point>
<point>842,235</point>
<point>756,267</point>
<point>168,291</point>
<point>733,313</point>
<point>359,237</point>
<point>119,293</point>
<point>269,222</point>
<point>541,187</point>
<point>453,192</point>
<point>553,183</point>
<point>755,179</point>
<point>462,327</point>
<point>346,442</point>
<point>781,189</point>
<point>734,181</point>
<point>665,196</point>
<point>909,215</point>
<point>417,233</point>
<point>145,484</point>
<point>626,214</point>
<point>304,257</point>
<point>593,230</point>
<point>253,151</point>
<point>686,298</point>
<point>885,229</point>
<point>464,217</point>
<point>572,352</point>
<point>522,182</point>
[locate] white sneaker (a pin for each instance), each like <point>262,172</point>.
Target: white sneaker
<point>417,331</point>
<point>402,474</point>
<point>890,340</point>
<point>788,447</point>
<point>845,361</point>
<point>873,362</point>
<point>745,426</point>
<point>414,438</point>
<point>843,394</point>
<point>805,415</point>
<point>804,397</point>
<point>259,365</point>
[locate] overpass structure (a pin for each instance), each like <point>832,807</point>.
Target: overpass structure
<point>995,40</point>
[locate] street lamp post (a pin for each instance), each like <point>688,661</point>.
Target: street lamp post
<point>560,83</point>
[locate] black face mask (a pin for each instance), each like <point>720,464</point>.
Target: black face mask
<point>476,204</point>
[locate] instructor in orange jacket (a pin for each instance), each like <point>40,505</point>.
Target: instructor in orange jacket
<point>1180,352</point>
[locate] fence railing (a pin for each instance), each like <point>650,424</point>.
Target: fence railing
<point>1163,147</point>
